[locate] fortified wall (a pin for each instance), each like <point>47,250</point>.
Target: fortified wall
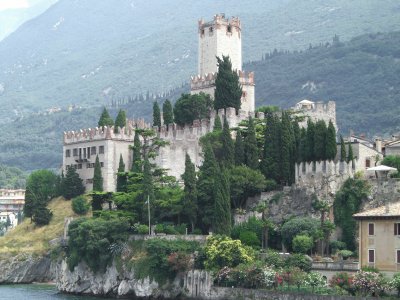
<point>317,111</point>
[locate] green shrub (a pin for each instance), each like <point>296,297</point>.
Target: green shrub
<point>159,228</point>
<point>170,229</point>
<point>274,259</point>
<point>302,244</point>
<point>271,185</point>
<point>343,281</point>
<point>297,226</point>
<point>80,205</point>
<point>251,225</point>
<point>142,229</point>
<point>249,238</point>
<point>197,231</point>
<point>337,245</point>
<point>181,228</point>
<point>370,269</point>
<point>345,253</point>
<point>300,261</point>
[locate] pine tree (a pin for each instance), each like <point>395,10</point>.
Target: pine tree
<point>222,223</point>
<point>168,112</point>
<point>217,124</point>
<point>227,144</point>
<point>120,121</point>
<point>97,177</point>
<point>121,177</point>
<point>137,156</point>
<point>331,148</point>
<point>310,140</point>
<point>228,91</point>
<point>205,188</point>
<point>239,149</point>
<point>350,156</point>
<point>190,206</point>
<point>105,119</point>
<point>320,140</point>
<point>250,146</point>
<point>342,150</point>
<point>156,114</point>
<point>72,184</point>
<point>148,189</point>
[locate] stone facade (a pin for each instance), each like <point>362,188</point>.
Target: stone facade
<point>11,203</point>
<point>316,111</point>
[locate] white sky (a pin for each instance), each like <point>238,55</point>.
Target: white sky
<point>7,4</point>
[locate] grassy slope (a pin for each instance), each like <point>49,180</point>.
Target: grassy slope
<point>28,239</point>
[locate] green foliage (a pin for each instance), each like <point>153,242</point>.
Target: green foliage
<point>90,241</point>
<point>12,178</point>
<point>392,161</point>
<point>343,281</point>
<point>252,225</point>
<point>274,259</point>
<point>342,150</point>
<point>105,119</point>
<point>369,283</point>
<point>121,176</point>
<point>337,245</point>
<point>227,145</point>
<point>80,205</point>
<point>250,146</point>
<point>347,202</point>
<point>137,156</point>
<point>228,91</point>
<point>239,149</point>
<point>142,229</point>
<point>249,238</point>
<point>72,185</point>
<point>299,261</point>
<point>345,253</point>
<point>270,185</point>
<point>217,124</point>
<point>331,148</point>
<point>120,121</point>
<point>156,114</point>
<point>168,112</point>
<point>298,226</point>
<point>222,251</point>
<point>302,244</point>
<point>42,215</point>
<point>192,107</point>
<point>97,176</point>
<point>395,283</point>
<point>350,155</point>
<point>190,205</point>
<point>222,219</point>
<point>245,182</point>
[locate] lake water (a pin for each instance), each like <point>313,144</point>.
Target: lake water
<point>37,292</point>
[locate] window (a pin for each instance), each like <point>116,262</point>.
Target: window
<point>371,229</point>
<point>102,164</point>
<point>84,152</point>
<point>80,153</point>
<point>202,32</point>
<point>67,153</point>
<point>75,152</point>
<point>398,256</point>
<point>396,228</point>
<point>371,256</point>
<point>88,152</point>
<point>101,150</point>
<point>229,28</point>
<point>211,29</point>
<point>93,150</point>
<point>367,163</point>
<point>79,166</point>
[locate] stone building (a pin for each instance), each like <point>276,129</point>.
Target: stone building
<point>316,111</point>
<point>11,203</point>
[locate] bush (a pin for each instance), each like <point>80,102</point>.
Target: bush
<point>159,228</point>
<point>274,259</point>
<point>302,244</point>
<point>343,281</point>
<point>315,280</point>
<point>42,216</point>
<point>337,245</point>
<point>222,251</point>
<point>395,283</point>
<point>142,229</point>
<point>345,253</point>
<point>170,229</point>
<point>271,185</point>
<point>80,205</point>
<point>370,283</point>
<point>300,261</point>
<point>249,238</point>
<point>297,226</point>
<point>251,225</point>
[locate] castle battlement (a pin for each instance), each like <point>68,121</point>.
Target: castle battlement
<point>219,21</point>
<point>208,80</point>
<point>95,134</point>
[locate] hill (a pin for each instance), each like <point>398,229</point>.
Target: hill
<point>86,53</point>
<point>28,239</point>
<point>12,178</point>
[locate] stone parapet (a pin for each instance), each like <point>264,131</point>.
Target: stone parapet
<point>204,81</point>
<point>104,133</point>
<point>307,170</point>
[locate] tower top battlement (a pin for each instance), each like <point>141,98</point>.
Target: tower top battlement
<point>219,21</point>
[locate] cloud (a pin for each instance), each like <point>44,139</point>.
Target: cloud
<point>13,4</point>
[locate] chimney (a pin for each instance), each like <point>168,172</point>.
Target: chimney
<point>378,145</point>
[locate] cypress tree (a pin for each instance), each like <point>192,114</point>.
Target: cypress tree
<point>228,91</point>
<point>227,144</point>
<point>190,206</point>
<point>310,140</point>
<point>120,121</point>
<point>331,148</point>
<point>105,119</point>
<point>205,188</point>
<point>350,156</point>
<point>239,149</point>
<point>320,140</point>
<point>297,141</point>
<point>271,155</point>
<point>303,145</point>
<point>72,184</point>
<point>342,149</point>
<point>168,112</point>
<point>97,177</point>
<point>148,189</point>
<point>287,161</point>
<point>156,114</point>
<point>137,157</point>
<point>222,223</point>
<point>250,146</point>
<point>217,124</point>
<point>121,177</point>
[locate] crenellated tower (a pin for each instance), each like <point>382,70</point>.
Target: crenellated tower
<point>221,36</point>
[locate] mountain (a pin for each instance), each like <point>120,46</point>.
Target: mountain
<point>12,18</point>
<point>88,52</point>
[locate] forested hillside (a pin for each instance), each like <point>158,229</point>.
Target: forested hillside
<point>88,52</point>
<point>12,178</point>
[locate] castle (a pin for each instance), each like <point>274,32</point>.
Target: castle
<point>220,36</point>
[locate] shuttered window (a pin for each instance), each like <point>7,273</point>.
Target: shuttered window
<point>371,255</point>
<point>371,229</point>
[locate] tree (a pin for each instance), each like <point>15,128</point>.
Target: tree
<point>228,91</point>
<point>296,226</point>
<point>72,185</point>
<point>120,121</point>
<point>168,112</point>
<point>190,206</point>
<point>250,146</point>
<point>287,150</point>
<point>105,119</point>
<point>156,114</point>
<point>272,145</point>
<point>320,140</point>
<point>79,205</point>
<point>148,186</point>
<point>121,176</point>
<point>222,223</point>
<point>137,156</point>
<point>350,156</point>
<point>302,244</point>
<point>310,140</point>
<point>394,162</point>
<point>40,188</point>
<point>227,145</point>
<point>239,149</point>
<point>97,177</point>
<point>342,150</point>
<point>331,148</point>
<point>192,107</point>
<point>217,124</point>
<point>42,215</point>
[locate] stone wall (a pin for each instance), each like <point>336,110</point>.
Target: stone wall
<point>319,111</point>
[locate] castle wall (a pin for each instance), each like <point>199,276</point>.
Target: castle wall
<point>319,111</point>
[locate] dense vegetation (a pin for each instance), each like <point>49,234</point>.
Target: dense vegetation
<point>12,178</point>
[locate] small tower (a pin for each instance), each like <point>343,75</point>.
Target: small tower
<point>219,37</point>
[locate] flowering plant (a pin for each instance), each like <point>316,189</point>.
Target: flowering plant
<point>369,283</point>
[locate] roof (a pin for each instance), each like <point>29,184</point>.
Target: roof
<point>382,168</point>
<point>393,143</point>
<point>389,210</point>
<point>305,101</point>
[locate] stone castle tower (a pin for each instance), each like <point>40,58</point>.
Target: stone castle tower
<point>218,37</point>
